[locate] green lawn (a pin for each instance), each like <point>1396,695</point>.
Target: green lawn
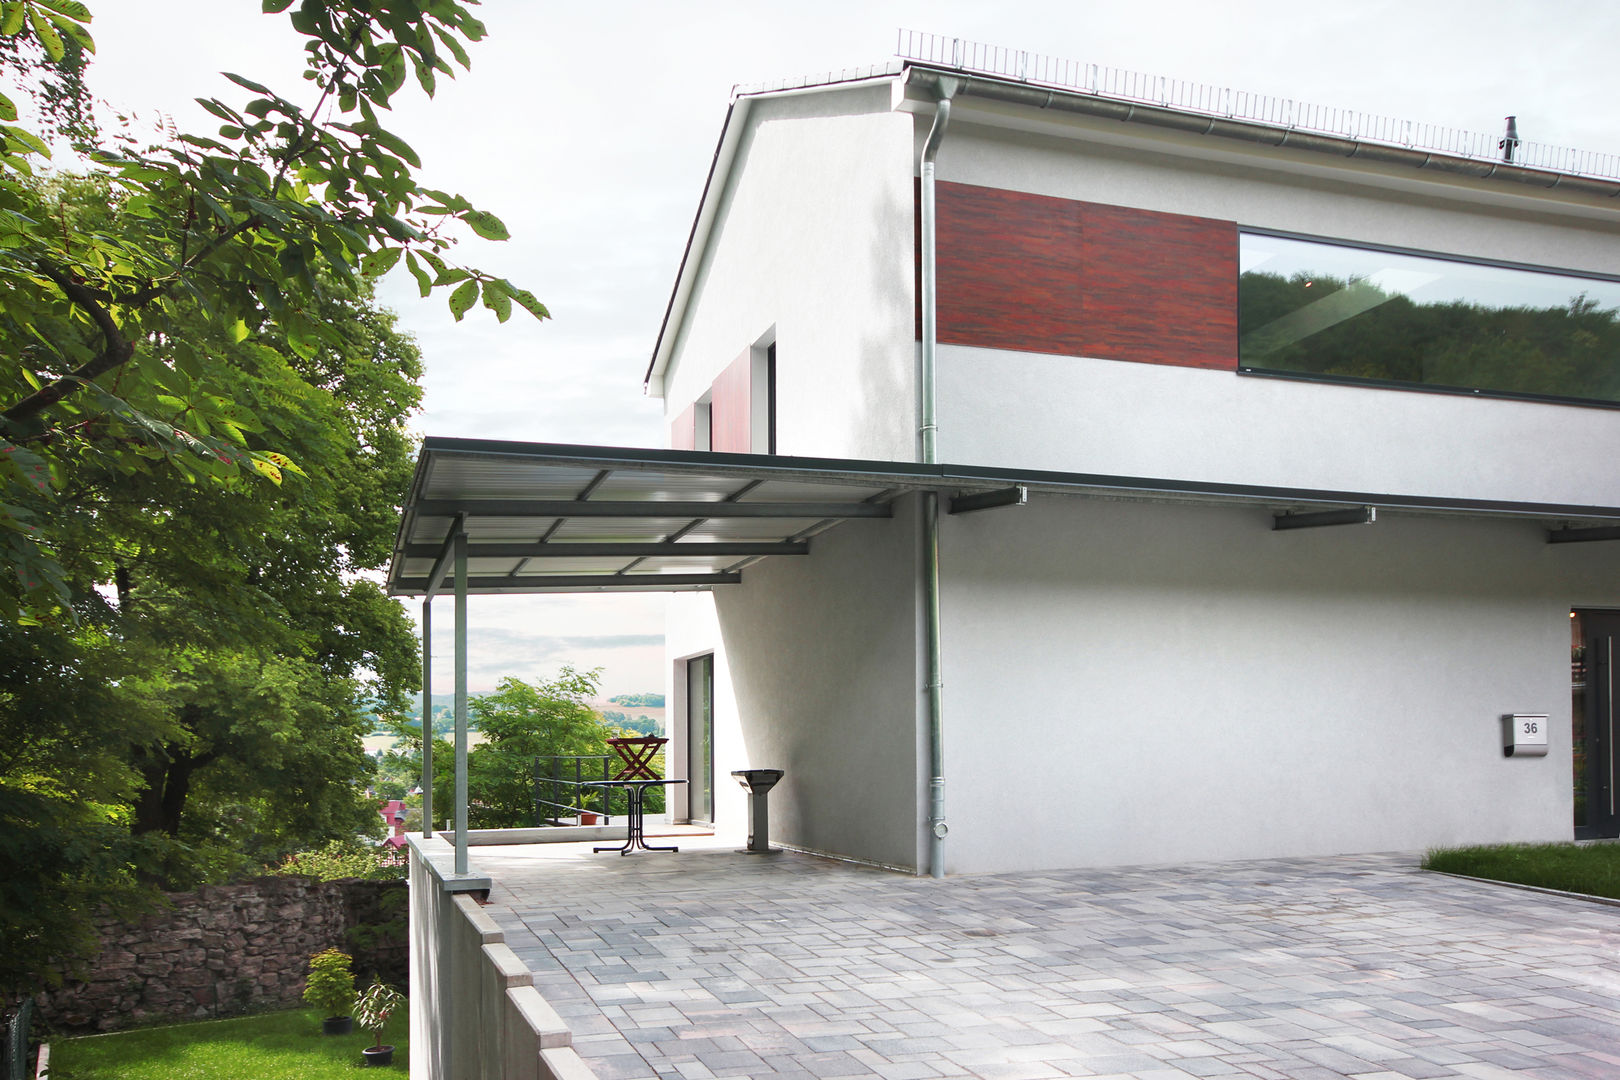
<point>1593,869</point>
<point>275,1046</point>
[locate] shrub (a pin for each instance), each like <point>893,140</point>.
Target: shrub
<point>342,859</point>
<point>379,1002</point>
<point>331,983</point>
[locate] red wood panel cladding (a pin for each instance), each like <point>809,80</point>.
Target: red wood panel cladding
<point>683,431</point>
<point>1040,274</point>
<point>731,407</point>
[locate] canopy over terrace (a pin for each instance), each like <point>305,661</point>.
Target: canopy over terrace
<point>487,516</point>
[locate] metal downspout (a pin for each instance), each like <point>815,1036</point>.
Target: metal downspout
<point>930,502</point>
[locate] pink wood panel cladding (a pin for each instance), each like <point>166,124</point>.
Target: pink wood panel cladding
<point>730,407</point>
<point>1039,274</point>
<point>683,431</point>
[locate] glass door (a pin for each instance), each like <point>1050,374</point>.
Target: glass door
<point>1595,640</point>
<point>700,738</point>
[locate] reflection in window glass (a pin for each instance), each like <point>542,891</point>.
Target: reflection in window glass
<point>1323,309</point>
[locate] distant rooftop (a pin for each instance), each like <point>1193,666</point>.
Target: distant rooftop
<point>1119,84</point>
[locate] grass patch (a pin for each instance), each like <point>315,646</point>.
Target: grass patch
<point>275,1046</point>
<point>1593,869</point>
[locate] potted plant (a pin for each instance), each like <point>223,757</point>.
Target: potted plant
<point>376,1005</point>
<point>331,990</point>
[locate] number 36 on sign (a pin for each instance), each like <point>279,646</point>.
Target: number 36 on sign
<point>1524,735</point>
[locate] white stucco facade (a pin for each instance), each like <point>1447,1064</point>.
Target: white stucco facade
<point>1131,681</point>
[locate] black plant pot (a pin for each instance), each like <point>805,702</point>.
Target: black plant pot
<point>337,1025</point>
<point>379,1055</point>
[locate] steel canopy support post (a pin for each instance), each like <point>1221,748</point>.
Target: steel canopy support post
<point>460,542</point>
<point>936,689</point>
<point>427,717</point>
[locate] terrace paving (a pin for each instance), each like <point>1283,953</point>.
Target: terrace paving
<point>712,963</point>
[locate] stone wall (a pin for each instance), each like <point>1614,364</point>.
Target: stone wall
<point>225,950</point>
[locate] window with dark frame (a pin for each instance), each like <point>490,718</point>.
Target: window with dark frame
<point>1357,313</point>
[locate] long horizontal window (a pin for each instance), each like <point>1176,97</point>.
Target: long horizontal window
<point>1312,308</point>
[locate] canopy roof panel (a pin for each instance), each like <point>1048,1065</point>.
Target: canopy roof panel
<point>543,517</point>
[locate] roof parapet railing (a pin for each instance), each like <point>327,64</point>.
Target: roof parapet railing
<point>1207,100</point>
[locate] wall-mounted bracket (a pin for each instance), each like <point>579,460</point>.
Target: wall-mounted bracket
<point>1567,535</point>
<point>1359,515</point>
<point>1017,495</point>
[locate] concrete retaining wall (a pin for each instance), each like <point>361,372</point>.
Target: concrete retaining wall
<point>475,1014</point>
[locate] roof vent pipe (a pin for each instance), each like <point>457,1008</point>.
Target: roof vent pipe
<point>930,501</point>
<point>1509,142</point>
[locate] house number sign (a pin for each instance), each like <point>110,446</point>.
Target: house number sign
<point>1524,735</point>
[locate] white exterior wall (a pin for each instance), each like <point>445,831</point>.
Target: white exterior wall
<point>1135,682</point>
<point>1095,415</point>
<point>818,658</point>
<point>814,238</point>
<point>1072,414</point>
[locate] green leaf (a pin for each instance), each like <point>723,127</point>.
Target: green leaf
<point>72,9</point>
<point>463,298</point>
<point>393,142</point>
<point>423,282</point>
<point>424,76</point>
<point>486,224</point>
<point>248,84</point>
<point>79,34</point>
<point>49,39</point>
<point>8,110</point>
<point>275,7</point>
<point>12,15</point>
<point>497,300</point>
<point>239,330</point>
<point>379,262</point>
<point>527,301</point>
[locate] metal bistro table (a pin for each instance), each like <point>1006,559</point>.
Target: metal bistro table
<point>637,791</point>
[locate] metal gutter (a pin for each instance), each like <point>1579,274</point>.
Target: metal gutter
<point>929,79</point>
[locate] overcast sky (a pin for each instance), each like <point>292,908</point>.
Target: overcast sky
<point>589,129</point>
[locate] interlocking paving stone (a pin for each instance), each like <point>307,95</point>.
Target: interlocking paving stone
<point>711,964</point>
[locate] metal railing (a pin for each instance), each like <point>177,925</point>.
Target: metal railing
<point>559,790</point>
<point>1207,100</point>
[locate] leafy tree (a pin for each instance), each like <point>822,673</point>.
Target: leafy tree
<point>521,722</point>
<point>201,446</point>
<point>250,227</point>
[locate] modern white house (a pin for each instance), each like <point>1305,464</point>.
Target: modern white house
<point>1247,466</point>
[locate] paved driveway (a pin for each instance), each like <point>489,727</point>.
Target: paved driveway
<point>712,963</point>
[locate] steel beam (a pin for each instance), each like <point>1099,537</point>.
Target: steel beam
<point>1360,515</point>
<point>646,508</point>
<point>442,556</point>
<point>564,549</point>
<point>1017,495</point>
<point>581,582</point>
<point>1581,536</point>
